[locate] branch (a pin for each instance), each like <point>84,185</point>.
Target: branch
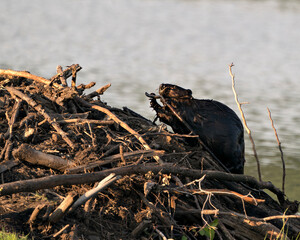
<point>281,152</point>
<point>114,158</point>
<point>120,122</point>
<point>244,121</point>
<point>28,76</point>
<point>246,198</point>
<point>72,179</point>
<point>41,111</point>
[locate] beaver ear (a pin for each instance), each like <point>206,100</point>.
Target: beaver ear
<point>190,92</point>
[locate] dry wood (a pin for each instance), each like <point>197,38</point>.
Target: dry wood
<point>98,92</point>
<point>140,228</point>
<point>86,121</point>
<point>167,211</point>
<point>35,213</point>
<point>61,231</point>
<point>246,198</point>
<point>60,211</point>
<point>41,111</point>
<point>65,180</point>
<point>28,154</point>
<point>121,123</point>
<point>91,193</point>
<point>27,75</point>
<point>184,211</point>
<point>61,76</point>
<point>162,215</point>
<point>114,158</point>
<point>65,74</point>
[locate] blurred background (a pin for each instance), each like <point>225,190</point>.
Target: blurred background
<point>137,44</point>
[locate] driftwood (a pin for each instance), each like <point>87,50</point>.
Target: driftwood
<point>162,187</point>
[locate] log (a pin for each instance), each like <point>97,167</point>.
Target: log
<point>28,154</point>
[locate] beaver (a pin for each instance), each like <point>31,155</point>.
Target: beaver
<point>218,127</point>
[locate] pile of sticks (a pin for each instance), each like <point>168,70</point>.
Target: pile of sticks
<point>73,167</point>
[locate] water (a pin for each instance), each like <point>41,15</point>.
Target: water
<point>138,44</point>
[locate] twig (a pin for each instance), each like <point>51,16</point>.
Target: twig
<point>61,76</point>
<point>218,212</point>
<point>244,121</point>
<point>280,149</point>
<point>41,111</point>
<point>84,121</point>
<point>160,233</point>
<point>98,92</point>
<point>74,68</point>
<point>61,231</point>
<point>66,74</point>
<point>120,122</point>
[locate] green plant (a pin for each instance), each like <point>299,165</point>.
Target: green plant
<point>209,230</point>
<point>11,236</point>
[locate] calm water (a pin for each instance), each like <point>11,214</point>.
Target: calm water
<point>138,44</point>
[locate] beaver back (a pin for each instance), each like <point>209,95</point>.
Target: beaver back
<point>218,127</point>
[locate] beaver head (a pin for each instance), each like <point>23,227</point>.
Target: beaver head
<point>173,91</point>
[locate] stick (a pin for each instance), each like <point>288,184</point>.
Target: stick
<point>84,121</point>
<point>66,74</point>
<point>28,76</point>
<point>66,180</point>
<point>121,123</point>
<point>98,92</point>
<point>41,111</point>
<point>217,212</point>
<point>280,149</point>
<point>114,158</point>
<point>60,211</point>
<point>74,73</point>
<point>244,121</point>
<point>89,194</point>
<point>246,198</point>
<point>61,76</point>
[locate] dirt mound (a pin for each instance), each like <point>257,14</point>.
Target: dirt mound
<point>73,167</point>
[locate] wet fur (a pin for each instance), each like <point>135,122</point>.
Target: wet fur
<point>217,125</point>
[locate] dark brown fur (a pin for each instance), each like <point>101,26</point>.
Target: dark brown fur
<point>217,125</point>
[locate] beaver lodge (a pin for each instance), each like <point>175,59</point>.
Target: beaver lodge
<point>73,167</point>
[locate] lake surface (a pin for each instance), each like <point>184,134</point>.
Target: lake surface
<point>137,44</point>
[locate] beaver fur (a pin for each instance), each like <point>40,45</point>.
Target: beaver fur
<point>218,127</point>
